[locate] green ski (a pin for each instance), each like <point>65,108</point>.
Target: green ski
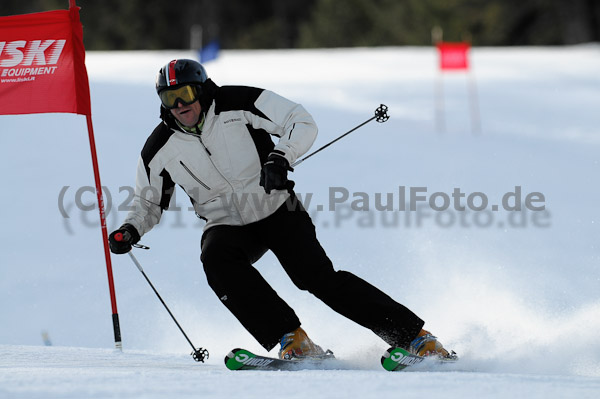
<point>241,359</point>
<point>397,359</point>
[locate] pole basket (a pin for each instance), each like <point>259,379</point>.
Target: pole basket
<point>200,355</point>
<point>381,114</point>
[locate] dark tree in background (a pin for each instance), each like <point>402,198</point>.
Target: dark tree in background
<point>244,24</point>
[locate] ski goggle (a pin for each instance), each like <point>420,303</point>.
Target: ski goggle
<point>185,94</point>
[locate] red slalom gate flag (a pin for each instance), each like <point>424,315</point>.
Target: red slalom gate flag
<point>42,64</point>
<point>42,69</point>
<point>454,56</point>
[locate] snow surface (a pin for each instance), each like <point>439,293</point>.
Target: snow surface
<point>515,294</point>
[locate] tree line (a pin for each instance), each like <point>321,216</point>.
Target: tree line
<point>269,24</point>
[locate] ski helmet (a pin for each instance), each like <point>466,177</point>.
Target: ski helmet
<point>180,72</point>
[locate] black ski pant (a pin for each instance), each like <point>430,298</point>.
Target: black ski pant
<point>228,253</point>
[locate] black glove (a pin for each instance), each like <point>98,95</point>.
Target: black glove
<point>273,175</point>
<point>121,240</point>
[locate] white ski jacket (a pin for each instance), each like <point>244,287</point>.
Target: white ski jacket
<point>219,168</point>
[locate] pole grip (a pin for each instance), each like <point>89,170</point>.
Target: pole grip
<point>125,236</point>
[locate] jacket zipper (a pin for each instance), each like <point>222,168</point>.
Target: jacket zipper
<point>220,173</point>
<point>194,176</point>
<point>215,166</point>
<point>205,148</point>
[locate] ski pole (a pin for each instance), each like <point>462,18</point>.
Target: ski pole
<point>199,354</point>
<point>380,115</point>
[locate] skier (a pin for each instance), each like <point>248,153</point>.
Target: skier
<point>215,143</point>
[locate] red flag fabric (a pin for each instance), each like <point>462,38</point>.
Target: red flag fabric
<point>454,56</point>
<point>42,64</point>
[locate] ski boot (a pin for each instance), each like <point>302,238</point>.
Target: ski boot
<point>296,345</point>
<point>426,345</point>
